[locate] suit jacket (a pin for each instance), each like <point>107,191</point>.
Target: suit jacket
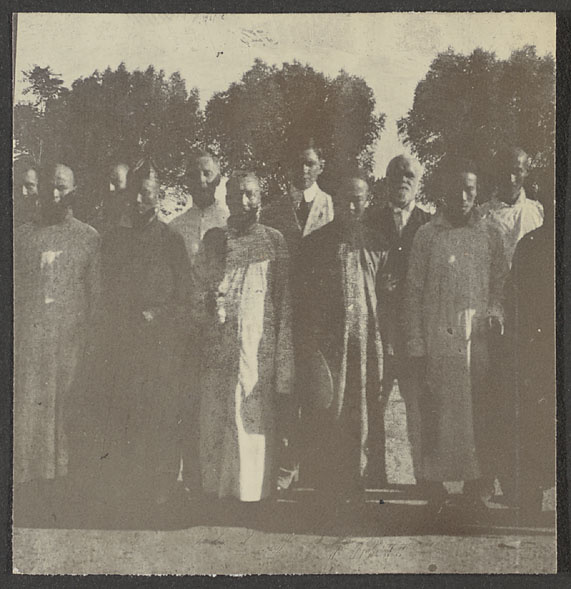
<point>395,265</point>
<point>281,215</point>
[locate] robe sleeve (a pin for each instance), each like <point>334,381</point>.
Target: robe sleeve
<point>284,373</point>
<point>177,306</point>
<point>415,283</point>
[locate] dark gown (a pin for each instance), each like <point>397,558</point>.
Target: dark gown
<point>341,354</point>
<point>144,269</point>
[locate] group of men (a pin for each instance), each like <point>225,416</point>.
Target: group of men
<point>258,346</point>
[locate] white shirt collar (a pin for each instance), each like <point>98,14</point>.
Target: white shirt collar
<point>310,193</point>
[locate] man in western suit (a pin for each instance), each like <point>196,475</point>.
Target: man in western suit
<point>305,209</point>
<point>398,223</point>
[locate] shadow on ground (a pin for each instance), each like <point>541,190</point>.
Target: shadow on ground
<point>396,511</point>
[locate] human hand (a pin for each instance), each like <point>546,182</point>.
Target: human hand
<point>148,316</point>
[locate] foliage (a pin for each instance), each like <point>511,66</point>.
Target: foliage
<point>474,105</point>
<point>254,122</point>
<point>108,117</point>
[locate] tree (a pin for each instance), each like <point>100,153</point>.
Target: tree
<point>253,123</point>
<point>108,117</point>
<point>474,105</point>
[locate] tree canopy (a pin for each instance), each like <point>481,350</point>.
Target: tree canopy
<point>474,105</point>
<point>254,122</point>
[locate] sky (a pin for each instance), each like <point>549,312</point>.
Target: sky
<point>391,51</point>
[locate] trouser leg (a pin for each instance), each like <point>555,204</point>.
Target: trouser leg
<point>409,388</point>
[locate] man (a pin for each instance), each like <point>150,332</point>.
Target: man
<point>208,210</point>
<point>25,192</point>
<point>115,201</point>
<point>147,294</point>
<point>342,410</point>
<point>306,208</point>
<point>297,215</point>
<point>530,333</point>
<point>247,360</point>
<point>509,209</point>
<point>56,296</point>
<point>398,223</point>
<point>514,216</point>
<point>454,290</point>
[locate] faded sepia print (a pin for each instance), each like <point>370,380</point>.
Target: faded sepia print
<point>284,293</point>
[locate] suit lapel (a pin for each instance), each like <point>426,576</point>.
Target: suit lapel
<point>319,214</point>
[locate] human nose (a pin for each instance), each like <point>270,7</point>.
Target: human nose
<point>56,195</point>
<point>513,178</point>
<point>245,201</point>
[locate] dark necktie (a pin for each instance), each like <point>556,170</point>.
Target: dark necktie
<point>303,212</point>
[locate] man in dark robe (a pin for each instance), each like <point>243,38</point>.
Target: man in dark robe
<point>146,289</point>
<point>342,369</point>
<point>530,334</point>
<point>398,223</point>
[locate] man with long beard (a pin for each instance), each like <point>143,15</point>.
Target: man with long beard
<point>56,297</point>
<point>247,362</point>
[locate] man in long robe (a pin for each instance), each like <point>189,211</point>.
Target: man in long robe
<point>397,224</point>
<point>56,297</point>
<point>247,362</point>
<point>455,283</point>
<point>296,215</point>
<point>146,293</point>
<point>514,215</point>
<point>530,334</point>
<point>342,409</point>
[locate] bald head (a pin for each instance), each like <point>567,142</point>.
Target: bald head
<point>118,174</point>
<point>403,177</point>
<point>58,182</point>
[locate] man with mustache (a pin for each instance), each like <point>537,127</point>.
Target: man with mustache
<point>208,190</point>
<point>342,412</point>
<point>454,295</point>
<point>397,224</point>
<point>56,297</point>
<point>247,361</point>
<point>146,275</point>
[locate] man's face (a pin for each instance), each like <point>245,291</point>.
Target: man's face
<point>511,175</point>
<point>202,178</point>
<point>243,198</point>
<point>403,176</point>
<point>30,183</point>
<point>307,169</point>
<point>147,197</point>
<point>118,179</point>
<point>354,198</point>
<point>460,194</point>
<point>62,184</point>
